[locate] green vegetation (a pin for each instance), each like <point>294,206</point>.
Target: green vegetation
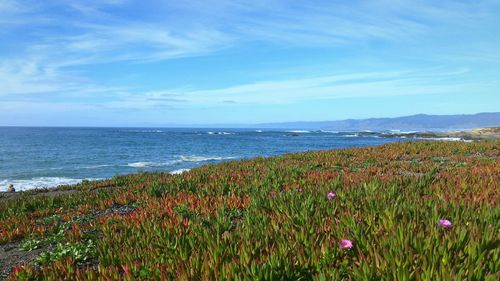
<point>406,211</point>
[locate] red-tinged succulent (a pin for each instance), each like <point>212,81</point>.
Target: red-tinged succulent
<point>235,219</point>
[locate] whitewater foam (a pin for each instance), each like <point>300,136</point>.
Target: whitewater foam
<point>40,182</point>
<point>399,132</point>
<point>443,139</point>
<point>220,133</point>
<point>151,164</point>
<point>144,131</point>
<point>94,166</point>
<point>180,159</point>
<point>140,164</point>
<point>194,158</point>
<point>180,171</point>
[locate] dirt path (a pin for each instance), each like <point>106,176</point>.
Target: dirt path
<point>11,255</point>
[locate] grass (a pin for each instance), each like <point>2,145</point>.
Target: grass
<point>271,219</point>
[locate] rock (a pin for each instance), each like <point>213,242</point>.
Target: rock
<point>11,188</point>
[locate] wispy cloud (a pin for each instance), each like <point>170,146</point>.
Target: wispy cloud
<point>339,86</point>
<point>88,32</point>
<point>47,45</point>
<point>84,34</point>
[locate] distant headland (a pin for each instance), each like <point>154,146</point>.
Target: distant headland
<point>419,122</point>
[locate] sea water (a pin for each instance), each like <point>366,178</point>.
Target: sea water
<point>48,157</point>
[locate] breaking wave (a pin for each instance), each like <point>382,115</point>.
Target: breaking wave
<point>39,182</point>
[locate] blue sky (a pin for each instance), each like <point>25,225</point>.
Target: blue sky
<point>150,63</point>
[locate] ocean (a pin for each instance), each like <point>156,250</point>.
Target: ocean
<point>48,157</point>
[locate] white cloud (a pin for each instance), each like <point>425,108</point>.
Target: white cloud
<point>86,33</point>
<point>89,33</point>
<point>331,87</point>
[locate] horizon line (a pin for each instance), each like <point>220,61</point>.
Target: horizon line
<point>228,125</point>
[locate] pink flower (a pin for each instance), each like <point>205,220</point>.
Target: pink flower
<point>300,190</point>
<point>445,223</point>
<point>331,195</point>
<point>345,244</point>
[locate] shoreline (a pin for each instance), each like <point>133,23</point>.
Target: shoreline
<point>459,135</point>
<point>64,182</point>
<point>464,135</point>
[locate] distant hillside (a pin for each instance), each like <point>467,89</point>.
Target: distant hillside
<point>414,122</point>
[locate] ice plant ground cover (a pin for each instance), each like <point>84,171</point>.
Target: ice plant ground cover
<point>406,211</point>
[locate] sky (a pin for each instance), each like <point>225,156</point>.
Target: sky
<point>193,62</point>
